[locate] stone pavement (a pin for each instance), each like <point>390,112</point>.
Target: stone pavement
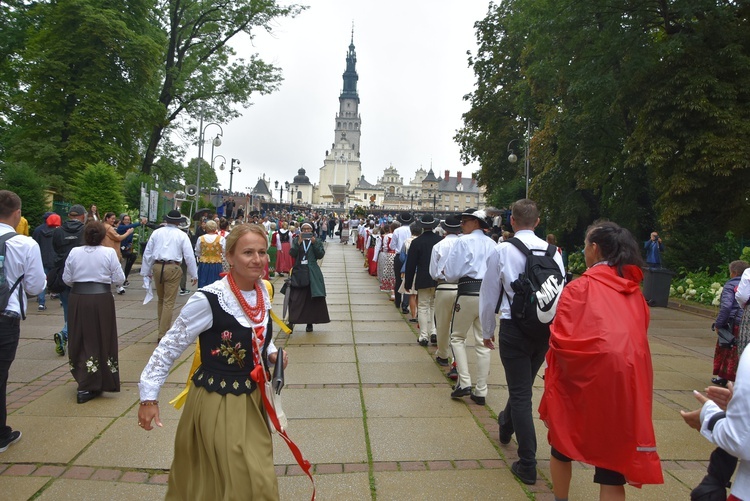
<point>368,407</point>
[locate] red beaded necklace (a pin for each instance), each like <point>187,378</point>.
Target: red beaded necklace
<point>255,313</point>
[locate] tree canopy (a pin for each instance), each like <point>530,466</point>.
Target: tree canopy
<point>638,112</point>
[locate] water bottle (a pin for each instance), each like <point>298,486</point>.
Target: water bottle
<point>2,271</point>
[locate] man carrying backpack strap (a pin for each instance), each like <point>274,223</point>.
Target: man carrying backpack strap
<point>520,352</point>
<point>22,261</point>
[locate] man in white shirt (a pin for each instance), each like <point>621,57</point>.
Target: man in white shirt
<point>165,250</point>
<point>23,268</point>
<point>400,236</point>
<point>445,293</point>
<point>466,265</point>
<point>520,354</point>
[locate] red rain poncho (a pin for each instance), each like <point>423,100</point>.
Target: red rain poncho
<point>598,387</point>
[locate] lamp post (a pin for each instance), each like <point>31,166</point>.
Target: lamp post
<point>231,171</point>
<point>221,167</point>
<point>216,142</point>
<point>281,189</point>
<point>512,158</point>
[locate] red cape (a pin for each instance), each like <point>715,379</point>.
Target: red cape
<point>598,386</point>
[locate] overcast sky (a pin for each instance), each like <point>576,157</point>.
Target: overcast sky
<point>413,74</point>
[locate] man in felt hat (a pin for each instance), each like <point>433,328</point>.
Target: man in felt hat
<point>66,237</point>
<point>399,238</point>
<point>466,265</point>
<point>445,292</point>
<point>418,263</point>
<point>165,250</point>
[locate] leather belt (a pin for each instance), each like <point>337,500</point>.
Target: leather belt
<point>447,286</point>
<point>163,261</point>
<point>469,286</point>
<point>86,288</point>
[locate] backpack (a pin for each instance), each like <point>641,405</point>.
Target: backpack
<point>537,290</point>
<point>6,291</point>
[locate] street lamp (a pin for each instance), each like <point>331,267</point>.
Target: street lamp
<point>512,158</point>
<point>281,189</point>
<point>231,171</point>
<point>216,142</point>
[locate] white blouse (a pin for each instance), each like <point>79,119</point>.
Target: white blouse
<point>195,317</point>
<point>93,264</point>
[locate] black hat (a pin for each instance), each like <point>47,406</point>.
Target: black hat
<point>173,217</point>
<point>405,218</point>
<point>480,215</point>
<point>428,222</point>
<point>77,210</point>
<point>452,224</point>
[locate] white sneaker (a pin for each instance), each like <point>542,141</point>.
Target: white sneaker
<point>121,290</point>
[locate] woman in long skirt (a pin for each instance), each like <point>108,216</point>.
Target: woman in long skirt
<point>92,327</point>
<point>384,256</point>
<point>210,249</point>
<point>307,305</point>
<point>272,251</point>
<point>344,228</point>
<point>283,244</point>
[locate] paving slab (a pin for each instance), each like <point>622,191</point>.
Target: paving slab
<point>448,485</point>
<point>75,490</point>
<point>327,487</point>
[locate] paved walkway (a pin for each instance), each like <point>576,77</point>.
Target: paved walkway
<point>368,407</point>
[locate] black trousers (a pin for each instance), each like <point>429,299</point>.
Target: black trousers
<point>10,332</point>
<point>397,264</point>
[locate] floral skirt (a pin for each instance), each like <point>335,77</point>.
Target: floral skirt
<point>727,359</point>
<point>222,449</point>
<point>385,271</point>
<point>92,342</point>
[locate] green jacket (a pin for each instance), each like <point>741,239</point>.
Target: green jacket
<point>315,252</point>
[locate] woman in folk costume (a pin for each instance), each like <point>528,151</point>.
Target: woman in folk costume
<point>223,447</point>
<point>283,244</point>
<point>383,256</point>
<point>272,250</point>
<point>369,246</point>
<point>210,250</point>
<point>598,386</point>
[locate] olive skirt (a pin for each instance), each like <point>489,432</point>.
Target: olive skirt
<point>223,449</point>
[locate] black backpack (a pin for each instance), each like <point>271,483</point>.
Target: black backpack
<point>537,290</point>
<point>6,291</point>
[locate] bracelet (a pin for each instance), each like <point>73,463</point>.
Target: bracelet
<point>149,402</point>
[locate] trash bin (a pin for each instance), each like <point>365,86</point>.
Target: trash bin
<point>656,284</point>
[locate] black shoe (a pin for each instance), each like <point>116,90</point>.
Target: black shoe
<point>505,434</point>
<point>126,283</point>
<point>308,328</point>
<point>459,392</point>
<point>525,475</point>
<point>413,320</point>
<point>404,310</point>
<point>433,339</point>
<point>85,396</point>
<point>422,342</point>
<point>719,381</point>
<point>477,399</point>
<point>442,361</point>
<point>14,437</point>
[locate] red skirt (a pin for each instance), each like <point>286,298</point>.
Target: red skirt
<point>727,359</point>
<point>372,266</point>
<point>284,261</point>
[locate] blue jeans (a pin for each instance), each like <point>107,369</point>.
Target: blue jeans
<point>10,331</point>
<point>41,297</point>
<point>64,300</point>
<point>522,356</point>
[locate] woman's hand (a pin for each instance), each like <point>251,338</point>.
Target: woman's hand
<point>721,396</point>
<point>274,356</point>
<point>148,413</point>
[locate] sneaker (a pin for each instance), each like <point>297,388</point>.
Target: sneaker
<point>42,307</point>
<point>442,361</point>
<point>413,320</point>
<point>184,292</point>
<point>126,283</point>
<point>14,437</point>
<point>59,343</point>
<point>433,339</point>
<point>524,474</point>
<point>121,290</point>
<point>422,342</point>
<point>453,373</point>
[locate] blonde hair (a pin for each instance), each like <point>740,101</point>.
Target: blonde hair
<point>240,231</point>
<point>211,225</point>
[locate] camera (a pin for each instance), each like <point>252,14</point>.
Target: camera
<point>307,236</point>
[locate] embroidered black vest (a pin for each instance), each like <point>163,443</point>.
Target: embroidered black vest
<point>227,353</point>
<point>284,237</point>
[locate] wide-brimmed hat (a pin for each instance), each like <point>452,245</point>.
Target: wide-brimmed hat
<point>480,215</point>
<point>405,218</point>
<point>452,224</point>
<point>173,217</point>
<point>428,222</point>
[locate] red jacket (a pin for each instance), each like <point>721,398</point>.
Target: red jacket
<point>598,386</point>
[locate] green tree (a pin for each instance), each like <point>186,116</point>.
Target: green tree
<point>132,190</point>
<point>209,181</point>
<point>202,74</point>
<point>99,184</point>
<point>30,186</point>
<point>89,79</point>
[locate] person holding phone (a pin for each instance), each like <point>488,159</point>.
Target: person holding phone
<point>653,248</point>
<point>307,305</point>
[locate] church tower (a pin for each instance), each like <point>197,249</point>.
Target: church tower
<point>342,168</point>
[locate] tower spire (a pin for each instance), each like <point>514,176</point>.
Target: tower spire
<point>350,75</point>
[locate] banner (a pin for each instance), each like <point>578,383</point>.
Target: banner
<point>153,206</point>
